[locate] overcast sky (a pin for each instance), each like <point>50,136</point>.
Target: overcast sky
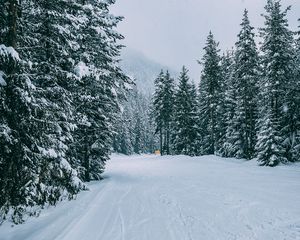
<point>173,32</point>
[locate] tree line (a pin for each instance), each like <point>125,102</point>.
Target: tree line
<point>135,130</point>
<point>247,104</point>
<point>60,89</point>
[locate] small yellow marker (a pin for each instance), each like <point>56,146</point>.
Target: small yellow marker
<point>157,152</point>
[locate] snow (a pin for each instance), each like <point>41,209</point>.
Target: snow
<point>2,81</point>
<point>82,70</point>
<point>162,198</point>
<point>48,152</point>
<point>9,52</point>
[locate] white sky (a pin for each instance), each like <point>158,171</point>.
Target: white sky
<point>173,32</point>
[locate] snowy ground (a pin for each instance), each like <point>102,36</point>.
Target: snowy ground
<point>180,198</point>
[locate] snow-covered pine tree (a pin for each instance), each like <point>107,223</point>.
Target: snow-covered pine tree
<point>30,173</point>
<point>209,97</point>
<point>18,153</point>
<point>123,139</point>
<point>163,109</point>
<point>135,131</point>
<point>223,108</point>
<point>38,100</point>
<point>278,76</point>
<point>158,108</point>
<point>100,85</point>
<point>151,139</point>
<point>185,133</point>
<point>227,66</point>
<point>168,101</point>
<point>138,145</point>
<point>144,132</point>
<point>49,32</point>
<point>292,109</point>
<point>246,69</point>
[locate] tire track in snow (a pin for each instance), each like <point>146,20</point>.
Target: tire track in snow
<point>120,212</point>
<point>78,220</point>
<point>175,213</point>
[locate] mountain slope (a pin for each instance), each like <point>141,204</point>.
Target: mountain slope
<point>142,69</point>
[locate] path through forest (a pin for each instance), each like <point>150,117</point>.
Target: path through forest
<point>175,198</point>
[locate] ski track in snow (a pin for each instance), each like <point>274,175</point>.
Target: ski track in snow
<point>175,198</point>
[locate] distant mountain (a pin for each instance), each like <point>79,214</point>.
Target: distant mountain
<point>142,69</point>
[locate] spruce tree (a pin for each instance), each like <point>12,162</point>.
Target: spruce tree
<point>49,32</point>
<point>163,109</point>
<point>209,97</point>
<point>138,140</point>
<point>227,66</point>
<point>32,172</point>
<point>99,87</point>
<point>168,101</point>
<point>123,138</point>
<point>63,85</point>
<point>135,129</point>
<point>185,117</point>
<point>274,103</point>
<point>223,108</point>
<point>157,111</point>
<point>292,126</point>
<point>246,68</point>
<point>17,156</point>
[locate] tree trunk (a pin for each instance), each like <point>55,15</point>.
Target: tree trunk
<point>161,141</point>
<point>12,23</point>
<point>86,163</point>
<point>168,140</point>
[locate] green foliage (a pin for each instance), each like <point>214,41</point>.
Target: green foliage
<point>60,85</point>
<point>210,97</point>
<point>185,133</point>
<point>163,102</point>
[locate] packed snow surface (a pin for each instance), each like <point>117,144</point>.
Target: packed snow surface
<point>175,198</point>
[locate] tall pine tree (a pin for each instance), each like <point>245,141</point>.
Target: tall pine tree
<point>32,170</point>
<point>227,66</point>
<point>185,134</point>
<point>100,84</point>
<point>18,155</point>
<point>62,86</point>
<point>163,101</point>
<point>274,102</point>
<point>292,109</point>
<point>209,97</point>
<point>246,70</point>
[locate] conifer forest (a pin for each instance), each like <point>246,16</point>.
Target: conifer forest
<point>68,105</point>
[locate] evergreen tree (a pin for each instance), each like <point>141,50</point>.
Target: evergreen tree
<point>223,108</point>
<point>32,172</point>
<point>227,66</point>
<point>292,118</point>
<point>209,97</point>
<point>64,78</point>
<point>185,117</point>
<point>157,111</point>
<point>243,136</point>
<point>275,104</point>
<point>135,130</point>
<point>17,157</point>
<point>99,86</point>
<point>138,141</point>
<point>163,109</point>
<point>168,101</point>
<point>123,138</point>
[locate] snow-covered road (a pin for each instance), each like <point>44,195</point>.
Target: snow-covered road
<point>176,198</point>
